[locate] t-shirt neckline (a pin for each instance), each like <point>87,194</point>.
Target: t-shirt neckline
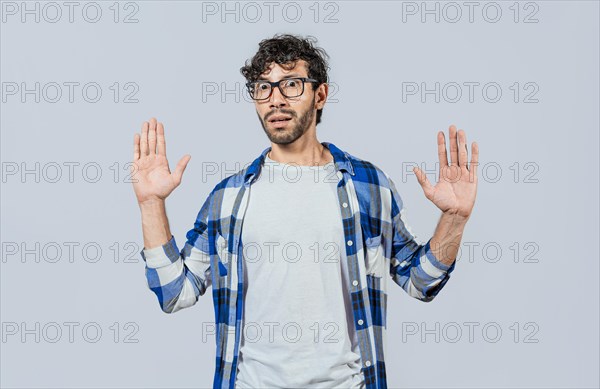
<point>278,164</point>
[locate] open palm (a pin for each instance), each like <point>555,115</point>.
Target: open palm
<point>152,178</point>
<point>456,188</point>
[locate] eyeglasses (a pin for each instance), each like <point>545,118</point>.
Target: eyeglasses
<point>289,87</point>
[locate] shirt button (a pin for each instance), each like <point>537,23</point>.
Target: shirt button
<point>355,282</point>
<point>360,321</point>
<point>368,363</point>
<point>349,243</point>
<point>345,205</point>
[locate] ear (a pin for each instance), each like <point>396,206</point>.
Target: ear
<point>321,95</point>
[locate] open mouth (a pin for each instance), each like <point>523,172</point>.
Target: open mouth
<point>280,120</point>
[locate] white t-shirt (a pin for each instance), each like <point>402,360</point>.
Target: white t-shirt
<point>298,325</point>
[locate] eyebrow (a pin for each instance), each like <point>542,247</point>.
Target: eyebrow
<point>293,75</point>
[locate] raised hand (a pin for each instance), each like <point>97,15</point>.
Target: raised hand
<point>456,189</point>
<point>152,178</point>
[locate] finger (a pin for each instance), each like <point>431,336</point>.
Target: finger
<point>423,181</point>
<point>136,147</point>
<point>144,140</point>
<point>463,157</point>
<point>160,140</point>
<point>180,168</point>
<point>152,137</point>
<point>453,146</point>
<point>474,159</point>
<point>443,156</point>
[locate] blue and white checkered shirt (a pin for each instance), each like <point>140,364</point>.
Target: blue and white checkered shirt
<point>378,242</point>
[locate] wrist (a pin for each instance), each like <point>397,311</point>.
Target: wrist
<point>454,219</point>
<point>153,203</point>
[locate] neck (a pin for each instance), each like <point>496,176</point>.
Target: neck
<point>315,154</point>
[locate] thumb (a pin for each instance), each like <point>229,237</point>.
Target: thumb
<point>180,168</point>
<point>423,181</point>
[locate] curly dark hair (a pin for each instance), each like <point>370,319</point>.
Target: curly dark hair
<point>286,50</point>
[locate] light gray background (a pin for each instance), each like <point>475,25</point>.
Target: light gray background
<point>170,53</point>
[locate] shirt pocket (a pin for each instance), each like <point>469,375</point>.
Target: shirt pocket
<point>223,254</point>
<point>374,258</point>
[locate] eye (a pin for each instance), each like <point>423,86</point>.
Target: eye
<point>263,86</point>
<point>291,83</point>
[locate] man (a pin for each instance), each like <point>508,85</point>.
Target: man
<point>298,246</point>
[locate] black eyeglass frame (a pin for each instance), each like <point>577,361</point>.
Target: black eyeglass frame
<point>276,84</point>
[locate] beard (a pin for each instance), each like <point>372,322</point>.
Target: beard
<point>290,133</point>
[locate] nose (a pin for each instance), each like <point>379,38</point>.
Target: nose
<point>277,99</point>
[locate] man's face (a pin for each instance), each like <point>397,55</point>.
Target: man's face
<point>301,110</point>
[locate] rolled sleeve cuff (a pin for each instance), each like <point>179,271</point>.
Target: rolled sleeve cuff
<point>439,266</point>
<point>161,255</point>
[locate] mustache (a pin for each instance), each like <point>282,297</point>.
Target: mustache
<point>282,112</point>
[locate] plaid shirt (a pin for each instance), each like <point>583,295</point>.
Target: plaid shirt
<point>378,243</point>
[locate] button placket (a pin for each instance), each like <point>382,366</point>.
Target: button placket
<point>346,194</point>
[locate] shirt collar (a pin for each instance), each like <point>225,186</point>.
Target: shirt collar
<point>340,158</point>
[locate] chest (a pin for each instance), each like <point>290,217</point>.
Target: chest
<point>340,219</point>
